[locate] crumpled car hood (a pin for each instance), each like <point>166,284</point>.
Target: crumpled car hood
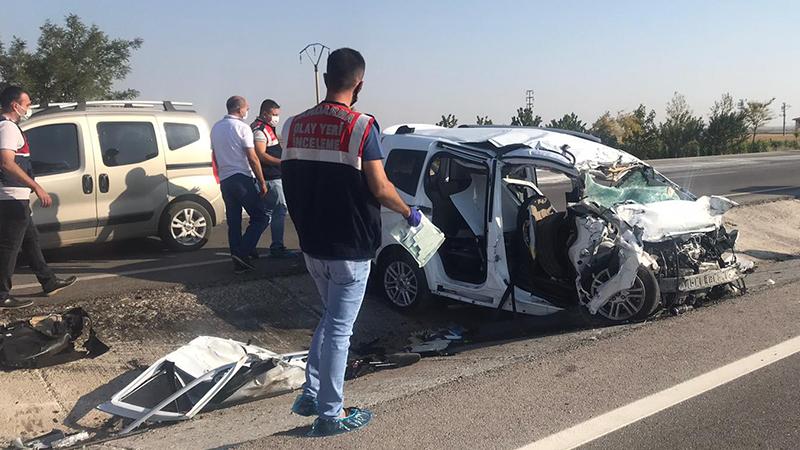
<point>663,220</point>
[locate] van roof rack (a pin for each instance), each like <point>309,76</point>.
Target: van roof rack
<point>167,105</point>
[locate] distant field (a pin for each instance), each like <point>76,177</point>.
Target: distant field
<point>776,137</point>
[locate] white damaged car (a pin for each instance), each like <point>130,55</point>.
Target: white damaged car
<point>541,220</point>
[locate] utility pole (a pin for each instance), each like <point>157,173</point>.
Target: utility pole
<point>314,54</point>
<point>529,99</point>
<point>784,107</point>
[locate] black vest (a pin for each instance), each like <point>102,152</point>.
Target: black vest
<point>333,210</point>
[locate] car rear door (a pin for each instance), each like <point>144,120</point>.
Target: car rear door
<point>131,175</point>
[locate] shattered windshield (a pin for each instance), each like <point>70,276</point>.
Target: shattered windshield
<point>636,184</point>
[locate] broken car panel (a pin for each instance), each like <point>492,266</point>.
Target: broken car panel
<point>608,240</point>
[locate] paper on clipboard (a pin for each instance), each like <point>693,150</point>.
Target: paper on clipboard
<point>421,241</point>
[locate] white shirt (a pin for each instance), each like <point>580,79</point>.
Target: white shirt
<point>11,139</point>
<point>230,139</point>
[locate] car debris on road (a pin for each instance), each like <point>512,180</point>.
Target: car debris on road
<point>48,340</point>
<point>208,371</point>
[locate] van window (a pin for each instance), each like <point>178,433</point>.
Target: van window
<point>403,168</point>
<point>123,143</point>
<point>54,149</point>
<point>181,134</point>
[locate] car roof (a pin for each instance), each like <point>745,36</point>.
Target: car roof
<point>588,153</point>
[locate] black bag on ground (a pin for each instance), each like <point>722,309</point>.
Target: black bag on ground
<point>48,340</point>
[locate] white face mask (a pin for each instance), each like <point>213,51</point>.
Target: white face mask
<point>246,113</point>
<point>24,115</point>
<point>274,121</point>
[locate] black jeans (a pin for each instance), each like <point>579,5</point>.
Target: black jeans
<point>18,235</point>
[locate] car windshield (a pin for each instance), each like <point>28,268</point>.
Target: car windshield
<point>638,184</point>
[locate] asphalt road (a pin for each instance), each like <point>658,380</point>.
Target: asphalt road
<point>525,388</point>
<point>145,263</point>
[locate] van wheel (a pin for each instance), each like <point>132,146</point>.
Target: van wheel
<point>403,282</point>
<point>185,226</point>
<point>632,305</point>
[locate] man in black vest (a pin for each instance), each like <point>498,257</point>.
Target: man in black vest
<point>17,231</point>
<point>335,185</point>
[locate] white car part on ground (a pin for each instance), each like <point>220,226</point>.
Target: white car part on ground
<point>663,220</point>
<point>181,384</point>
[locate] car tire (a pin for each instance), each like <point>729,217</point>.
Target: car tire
<point>403,282</point>
<point>185,226</point>
<point>647,301</point>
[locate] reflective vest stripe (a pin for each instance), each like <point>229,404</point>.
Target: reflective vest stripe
<point>349,153</point>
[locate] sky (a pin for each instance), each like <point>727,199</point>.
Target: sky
<point>428,58</point>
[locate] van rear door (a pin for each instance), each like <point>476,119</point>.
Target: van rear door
<point>131,175</point>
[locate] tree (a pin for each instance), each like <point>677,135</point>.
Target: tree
<point>640,133</point>
<point>756,114</point>
<point>568,122</point>
<point>681,132</point>
<point>525,118</point>
<point>727,129</point>
<point>485,120</point>
<point>448,121</point>
<point>75,62</point>
<point>607,129</point>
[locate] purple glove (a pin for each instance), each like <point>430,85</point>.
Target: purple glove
<point>414,218</point>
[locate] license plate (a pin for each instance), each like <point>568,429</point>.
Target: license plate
<point>709,279</point>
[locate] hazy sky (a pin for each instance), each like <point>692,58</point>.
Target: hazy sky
<point>427,58</point>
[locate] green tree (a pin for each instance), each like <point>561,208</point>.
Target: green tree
<point>74,62</point>
<point>607,129</point>
<point>640,135</point>
<point>485,120</point>
<point>727,129</point>
<point>525,118</point>
<point>568,122</point>
<point>681,132</point>
<point>756,114</point>
<point>448,121</point>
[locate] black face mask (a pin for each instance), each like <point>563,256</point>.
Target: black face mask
<point>355,95</point>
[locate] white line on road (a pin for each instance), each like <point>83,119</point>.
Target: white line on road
<point>761,191</point>
<point>611,421</point>
<point>134,272</point>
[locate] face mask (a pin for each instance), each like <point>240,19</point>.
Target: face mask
<point>246,113</point>
<point>25,115</point>
<point>274,121</point>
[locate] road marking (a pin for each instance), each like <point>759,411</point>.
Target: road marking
<point>611,421</point>
<point>134,272</point>
<point>761,191</point>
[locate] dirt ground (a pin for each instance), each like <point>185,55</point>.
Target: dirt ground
<point>767,231</point>
<point>277,313</point>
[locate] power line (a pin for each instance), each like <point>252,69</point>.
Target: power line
<point>784,107</point>
<point>314,54</point>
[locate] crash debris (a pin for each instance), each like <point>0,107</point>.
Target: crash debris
<point>208,372</point>
<point>50,339</point>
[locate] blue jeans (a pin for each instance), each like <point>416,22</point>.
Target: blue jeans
<point>275,205</point>
<point>240,192</point>
<point>341,285</point>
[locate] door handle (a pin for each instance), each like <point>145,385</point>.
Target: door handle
<point>103,182</point>
<point>88,184</point>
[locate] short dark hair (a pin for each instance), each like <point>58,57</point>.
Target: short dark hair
<point>345,68</point>
<point>10,95</point>
<point>235,103</point>
<point>268,104</point>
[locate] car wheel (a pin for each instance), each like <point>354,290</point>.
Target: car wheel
<point>185,226</point>
<point>632,305</point>
<point>403,282</point>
